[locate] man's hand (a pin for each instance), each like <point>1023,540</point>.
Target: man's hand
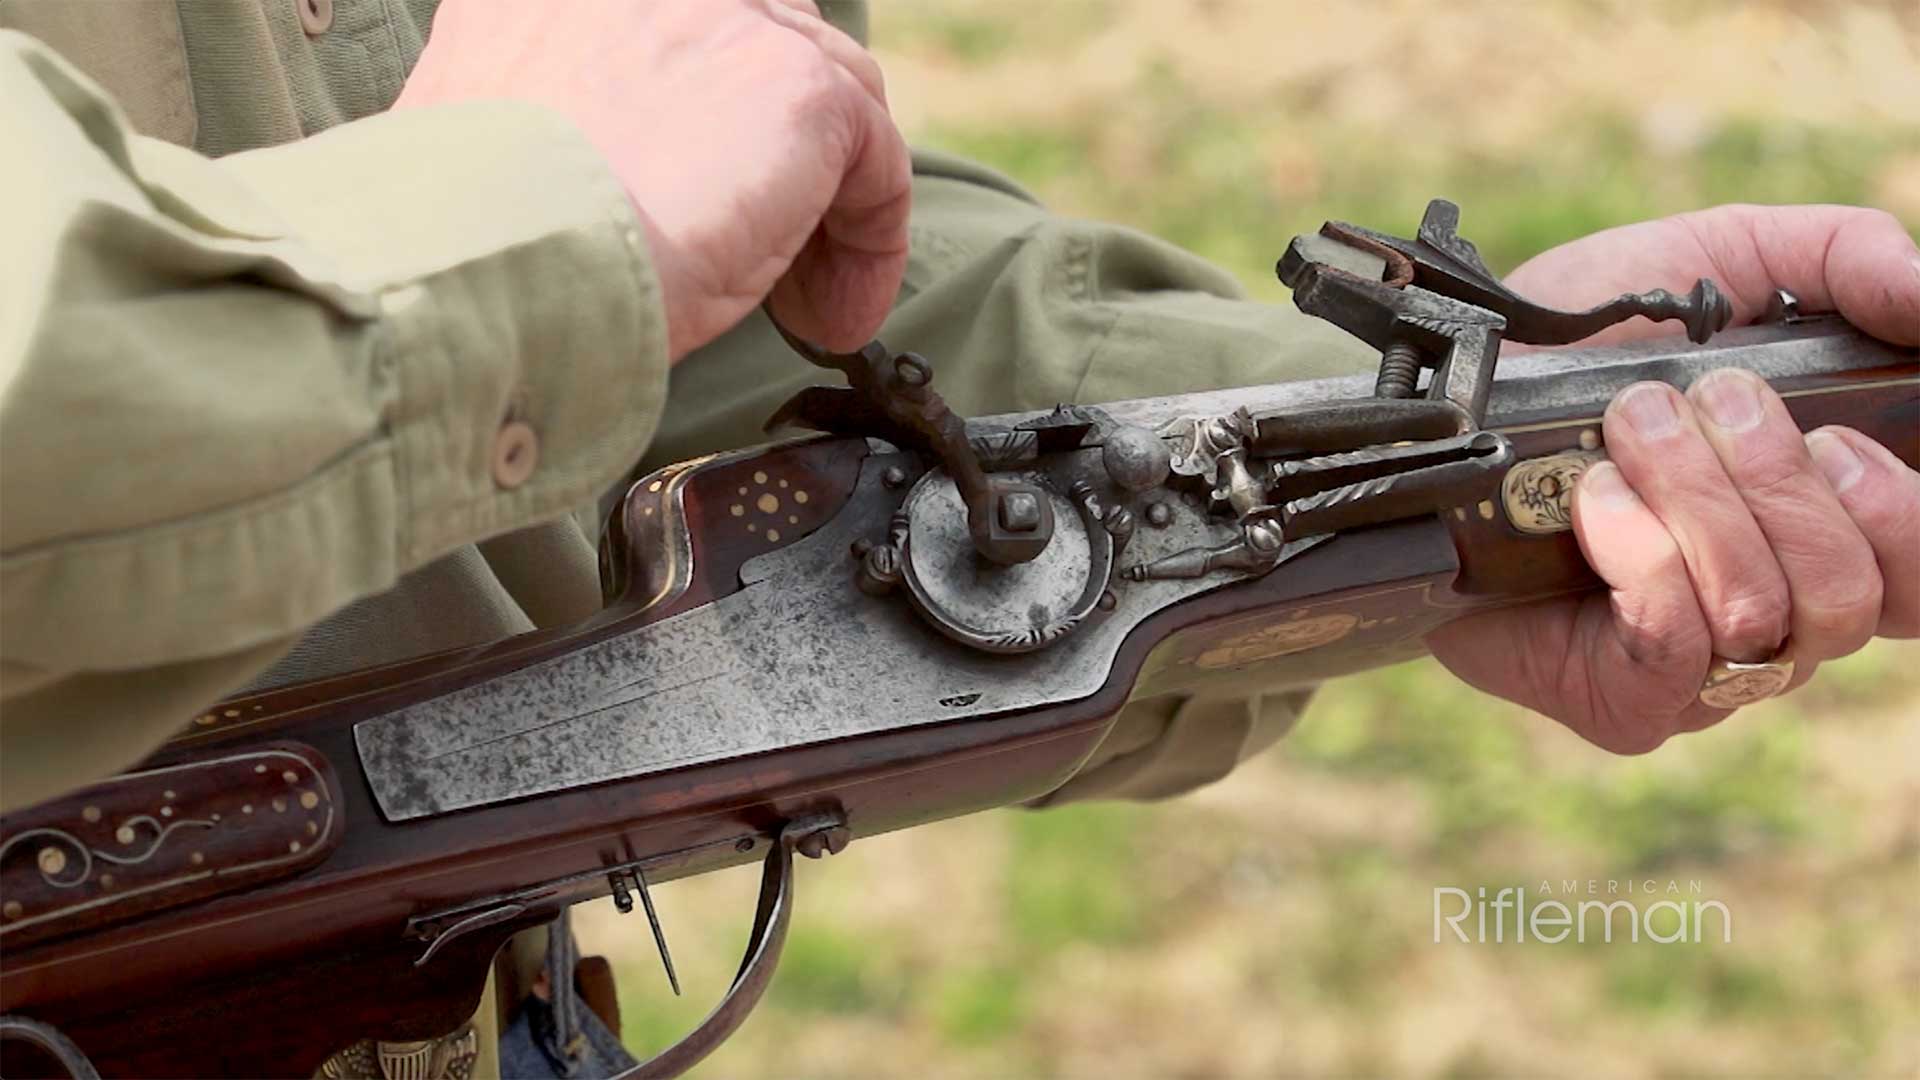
<point>1717,527</point>
<point>753,137</point>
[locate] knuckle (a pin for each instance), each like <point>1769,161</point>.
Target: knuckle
<point>1843,615</point>
<point>814,80</point>
<point>1880,220</point>
<point>872,73</point>
<point>823,101</point>
<point>1752,621</point>
<point>1770,469</point>
<point>1852,595</point>
<point>1889,509</point>
<point>1650,645</point>
<point>1658,639</point>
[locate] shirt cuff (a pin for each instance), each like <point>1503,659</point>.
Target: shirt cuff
<point>525,337</point>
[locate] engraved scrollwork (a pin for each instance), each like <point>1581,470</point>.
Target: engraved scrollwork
<point>160,836</point>
<point>62,860</point>
<point>100,854</point>
<point>1199,441</point>
<point>1029,640</point>
<point>1444,326</point>
<point>1538,494</point>
<point>1005,449</point>
<point>1282,639</point>
<point>450,1057</point>
<point>1745,688</point>
<point>65,862</point>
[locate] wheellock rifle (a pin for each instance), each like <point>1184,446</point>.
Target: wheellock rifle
<point>905,617</point>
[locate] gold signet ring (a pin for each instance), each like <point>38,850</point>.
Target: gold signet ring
<point>1731,684</point>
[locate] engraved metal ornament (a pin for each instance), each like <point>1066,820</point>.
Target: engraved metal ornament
<point>1280,639</point>
<point>1731,684</point>
<point>1198,442</point>
<point>406,1060</point>
<point>355,1061</point>
<point>449,1057</point>
<point>1538,493</point>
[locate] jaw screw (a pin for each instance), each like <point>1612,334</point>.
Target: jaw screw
<point>1399,371</point>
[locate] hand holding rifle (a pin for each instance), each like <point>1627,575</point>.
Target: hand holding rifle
<point>1718,527</point>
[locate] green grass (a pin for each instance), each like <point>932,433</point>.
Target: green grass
<point>1206,180</point>
<point>829,969</point>
<point>1077,877</point>
<point>1352,959</point>
<point>972,38</point>
<point>1036,157</point>
<point>1648,817</point>
<point>979,1006</point>
<point>1692,984</point>
<point>1869,677</point>
<point>1414,721</point>
<point>652,1019</point>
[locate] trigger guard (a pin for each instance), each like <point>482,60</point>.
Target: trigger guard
<point>772,915</point>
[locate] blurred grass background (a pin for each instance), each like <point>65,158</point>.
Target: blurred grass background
<point>1279,923</point>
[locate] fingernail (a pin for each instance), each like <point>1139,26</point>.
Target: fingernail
<point>1604,482</point>
<point>1836,460</point>
<point>1730,400</point>
<point>1650,410</point>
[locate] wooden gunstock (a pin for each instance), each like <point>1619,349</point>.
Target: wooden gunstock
<point>264,966</point>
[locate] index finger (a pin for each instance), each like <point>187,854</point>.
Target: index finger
<point>1858,262</point>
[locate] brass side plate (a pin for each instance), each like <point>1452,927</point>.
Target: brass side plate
<point>1538,493</point>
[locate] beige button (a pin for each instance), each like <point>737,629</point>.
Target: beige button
<point>516,450</point>
<point>315,15</point>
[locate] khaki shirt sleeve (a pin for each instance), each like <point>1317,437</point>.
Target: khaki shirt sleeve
<point>236,394</point>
